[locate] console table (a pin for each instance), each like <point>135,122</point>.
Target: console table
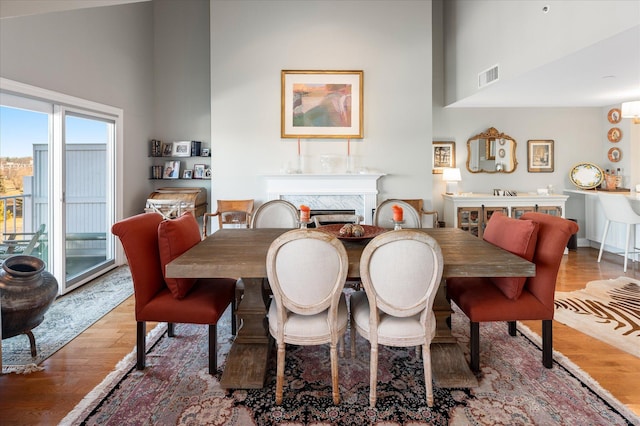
<point>470,212</point>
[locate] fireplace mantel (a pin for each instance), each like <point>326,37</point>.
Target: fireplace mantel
<point>327,191</point>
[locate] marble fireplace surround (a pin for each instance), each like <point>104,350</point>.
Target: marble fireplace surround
<point>327,191</point>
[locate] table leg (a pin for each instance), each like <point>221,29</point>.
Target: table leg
<point>450,368</point>
<point>246,364</point>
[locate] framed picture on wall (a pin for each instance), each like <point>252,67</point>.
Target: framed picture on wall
<point>444,156</point>
<point>540,156</point>
<point>321,104</point>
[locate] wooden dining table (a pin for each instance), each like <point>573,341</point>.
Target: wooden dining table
<point>241,253</point>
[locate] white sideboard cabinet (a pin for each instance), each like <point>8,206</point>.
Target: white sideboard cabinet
<point>470,212</point>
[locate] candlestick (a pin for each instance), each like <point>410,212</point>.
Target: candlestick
<point>298,147</point>
<point>305,213</point>
<point>348,146</point>
<point>397,213</point>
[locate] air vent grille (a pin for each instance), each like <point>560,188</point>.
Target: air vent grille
<point>488,76</point>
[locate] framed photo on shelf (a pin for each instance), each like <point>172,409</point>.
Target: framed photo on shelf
<point>321,104</point>
<point>540,156</point>
<point>181,149</point>
<point>205,152</point>
<point>171,170</point>
<point>167,148</point>
<point>198,171</point>
<point>187,174</point>
<point>444,156</point>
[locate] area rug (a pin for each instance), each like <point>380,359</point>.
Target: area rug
<point>69,316</point>
<point>515,389</point>
<point>608,310</point>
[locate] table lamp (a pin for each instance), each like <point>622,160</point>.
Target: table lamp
<point>452,177</point>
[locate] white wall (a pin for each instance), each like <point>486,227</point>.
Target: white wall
<point>481,34</point>
<point>101,54</point>
<point>252,41</point>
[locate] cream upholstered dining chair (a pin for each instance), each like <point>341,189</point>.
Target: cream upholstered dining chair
<point>383,215</point>
<point>617,208</point>
<point>401,272</point>
<point>275,214</point>
<point>307,269</point>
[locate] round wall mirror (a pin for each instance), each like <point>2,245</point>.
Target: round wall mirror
<point>491,152</point>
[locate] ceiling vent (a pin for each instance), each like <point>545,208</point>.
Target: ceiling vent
<point>487,77</point>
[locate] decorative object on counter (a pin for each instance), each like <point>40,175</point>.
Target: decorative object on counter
<point>452,176</point>
<point>614,116</point>
<point>481,153</point>
<point>444,156</point>
<point>181,149</point>
<point>631,110</point>
<point>614,135</point>
<point>540,156</point>
<point>611,180</point>
<point>614,155</point>
<point>321,104</point>
<point>586,175</point>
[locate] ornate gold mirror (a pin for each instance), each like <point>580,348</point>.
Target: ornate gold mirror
<point>491,152</point>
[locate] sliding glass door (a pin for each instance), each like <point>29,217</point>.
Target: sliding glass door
<point>67,186</point>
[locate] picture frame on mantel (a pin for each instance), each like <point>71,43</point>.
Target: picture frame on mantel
<point>322,104</point>
<point>444,156</point>
<point>540,156</point>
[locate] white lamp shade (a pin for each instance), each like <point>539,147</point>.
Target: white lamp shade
<point>451,175</point>
<point>630,109</point>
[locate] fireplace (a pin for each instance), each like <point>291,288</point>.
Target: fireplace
<point>352,192</point>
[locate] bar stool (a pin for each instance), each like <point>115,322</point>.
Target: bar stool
<point>617,208</point>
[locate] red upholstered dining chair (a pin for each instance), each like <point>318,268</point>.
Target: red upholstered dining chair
<point>150,243</point>
<point>538,237</point>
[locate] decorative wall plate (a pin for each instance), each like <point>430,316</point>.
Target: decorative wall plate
<point>614,155</point>
<point>615,134</point>
<point>614,116</point>
<point>501,153</point>
<point>586,175</point>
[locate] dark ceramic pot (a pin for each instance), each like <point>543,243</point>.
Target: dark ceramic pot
<point>26,293</point>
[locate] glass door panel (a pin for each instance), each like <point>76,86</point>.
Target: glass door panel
<point>87,204</point>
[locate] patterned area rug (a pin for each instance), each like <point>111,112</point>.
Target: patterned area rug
<point>69,316</point>
<point>608,310</point>
<point>515,389</point>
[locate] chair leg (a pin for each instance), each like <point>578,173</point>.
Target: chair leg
<point>512,328</point>
<point>604,238</point>
<point>280,372</point>
<point>547,343</point>
<point>32,343</point>
<point>141,334</point>
<point>626,247</point>
<point>373,375</point>
<point>334,374</point>
<point>426,360</point>
<point>474,342</point>
<point>213,348</point>
<point>171,329</point>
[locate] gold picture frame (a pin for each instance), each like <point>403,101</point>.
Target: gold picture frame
<point>322,104</point>
<point>540,156</point>
<point>444,156</point>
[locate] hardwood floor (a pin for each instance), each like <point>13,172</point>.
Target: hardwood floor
<point>44,398</point>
